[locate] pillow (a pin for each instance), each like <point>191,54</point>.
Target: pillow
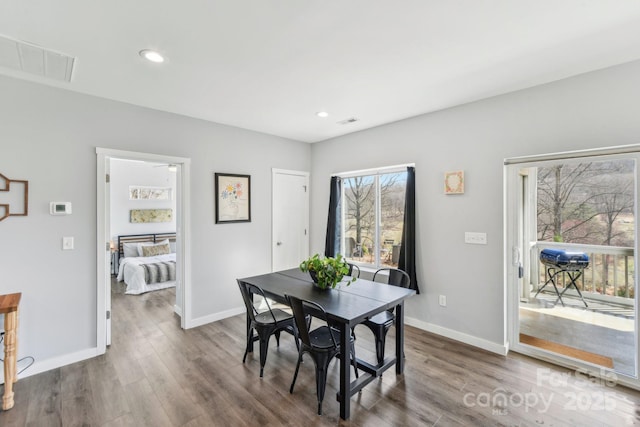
<point>141,245</point>
<point>158,249</point>
<point>131,249</point>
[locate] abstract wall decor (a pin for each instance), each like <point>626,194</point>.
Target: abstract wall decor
<point>18,197</point>
<point>138,192</point>
<point>151,215</point>
<point>233,198</point>
<point>454,182</point>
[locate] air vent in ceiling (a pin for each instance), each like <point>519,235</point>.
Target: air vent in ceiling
<point>32,59</point>
<point>347,121</point>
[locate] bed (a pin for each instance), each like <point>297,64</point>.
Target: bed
<point>146,262</point>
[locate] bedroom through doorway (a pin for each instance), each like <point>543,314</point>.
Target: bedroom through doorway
<point>142,223</point>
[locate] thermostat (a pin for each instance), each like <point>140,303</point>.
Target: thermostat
<point>60,208</point>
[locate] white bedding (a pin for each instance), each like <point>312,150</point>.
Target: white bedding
<point>133,275</point>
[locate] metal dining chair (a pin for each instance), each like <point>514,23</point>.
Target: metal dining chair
<point>266,323</point>
<point>382,322</point>
<point>322,343</point>
<point>354,270</point>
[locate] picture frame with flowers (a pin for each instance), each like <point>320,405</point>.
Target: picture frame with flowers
<point>232,198</point>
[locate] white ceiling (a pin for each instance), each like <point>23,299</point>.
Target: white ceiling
<point>270,65</point>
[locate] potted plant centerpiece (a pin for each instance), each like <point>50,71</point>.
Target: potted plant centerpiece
<point>326,272</point>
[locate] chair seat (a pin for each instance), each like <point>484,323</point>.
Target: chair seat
<point>321,338</point>
<point>385,318</point>
<point>265,318</point>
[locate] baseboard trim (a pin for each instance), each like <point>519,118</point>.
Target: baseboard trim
<point>55,362</point>
<point>199,321</point>
<point>458,336</point>
<point>177,310</point>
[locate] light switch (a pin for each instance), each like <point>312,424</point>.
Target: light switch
<point>475,238</point>
<point>67,243</point>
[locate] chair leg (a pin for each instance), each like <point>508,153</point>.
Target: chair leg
<point>381,338</point>
<point>277,334</point>
<point>249,338</point>
<point>264,347</point>
<point>295,374</point>
<point>322,364</point>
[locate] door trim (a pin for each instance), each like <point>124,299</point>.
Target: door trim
<point>183,228</point>
<point>304,174</point>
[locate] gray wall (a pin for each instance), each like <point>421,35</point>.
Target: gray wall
<point>48,136</point>
<point>598,109</point>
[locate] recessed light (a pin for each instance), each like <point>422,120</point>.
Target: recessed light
<point>151,55</point>
<point>322,114</point>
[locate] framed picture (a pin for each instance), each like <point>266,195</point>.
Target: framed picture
<point>138,192</point>
<point>233,197</point>
<point>454,182</point>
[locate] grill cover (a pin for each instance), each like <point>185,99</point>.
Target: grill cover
<point>564,260</point>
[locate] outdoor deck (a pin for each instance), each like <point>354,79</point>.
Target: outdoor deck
<point>603,328</point>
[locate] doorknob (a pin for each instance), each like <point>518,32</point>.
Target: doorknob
<point>279,243</point>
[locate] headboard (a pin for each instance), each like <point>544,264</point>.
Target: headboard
<point>142,238</point>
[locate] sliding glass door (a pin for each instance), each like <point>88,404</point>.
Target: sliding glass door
<point>571,276</point>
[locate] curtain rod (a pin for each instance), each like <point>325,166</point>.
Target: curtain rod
<point>621,149</point>
<point>374,171</point>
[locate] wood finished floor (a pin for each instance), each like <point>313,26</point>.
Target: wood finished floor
<point>155,374</point>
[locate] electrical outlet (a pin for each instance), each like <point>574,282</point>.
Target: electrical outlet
<point>442,300</point>
<point>475,238</point>
<point>67,243</point>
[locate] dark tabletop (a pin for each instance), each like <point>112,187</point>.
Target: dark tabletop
<point>349,304</point>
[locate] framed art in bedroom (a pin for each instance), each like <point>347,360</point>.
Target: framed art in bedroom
<point>232,198</point>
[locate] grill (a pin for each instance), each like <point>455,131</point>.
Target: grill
<point>559,261</point>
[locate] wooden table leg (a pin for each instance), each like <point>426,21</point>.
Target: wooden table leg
<point>10,351</point>
<point>345,371</point>
<point>400,338</point>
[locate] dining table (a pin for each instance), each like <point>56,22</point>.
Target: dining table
<point>347,305</point>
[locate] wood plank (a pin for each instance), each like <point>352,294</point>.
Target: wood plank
<point>9,302</point>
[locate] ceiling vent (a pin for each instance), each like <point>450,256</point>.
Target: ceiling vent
<point>32,59</point>
<point>347,121</point>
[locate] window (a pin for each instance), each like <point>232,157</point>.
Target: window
<point>373,215</point>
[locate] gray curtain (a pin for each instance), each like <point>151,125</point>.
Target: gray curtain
<point>332,243</point>
<point>407,261</point>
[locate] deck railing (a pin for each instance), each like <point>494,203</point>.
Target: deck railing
<point>610,276</point>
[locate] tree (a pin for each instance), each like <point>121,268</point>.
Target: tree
<point>360,196</point>
<point>360,206</point>
<point>572,200</point>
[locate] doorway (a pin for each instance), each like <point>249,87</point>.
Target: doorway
<point>571,277</point>
<point>104,236</point>
<point>290,216</point>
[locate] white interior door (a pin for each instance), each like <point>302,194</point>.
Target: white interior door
<point>290,213</point>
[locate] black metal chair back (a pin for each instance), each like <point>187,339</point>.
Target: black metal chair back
<point>247,290</point>
<point>354,270</point>
<point>397,277</point>
<point>301,314</point>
